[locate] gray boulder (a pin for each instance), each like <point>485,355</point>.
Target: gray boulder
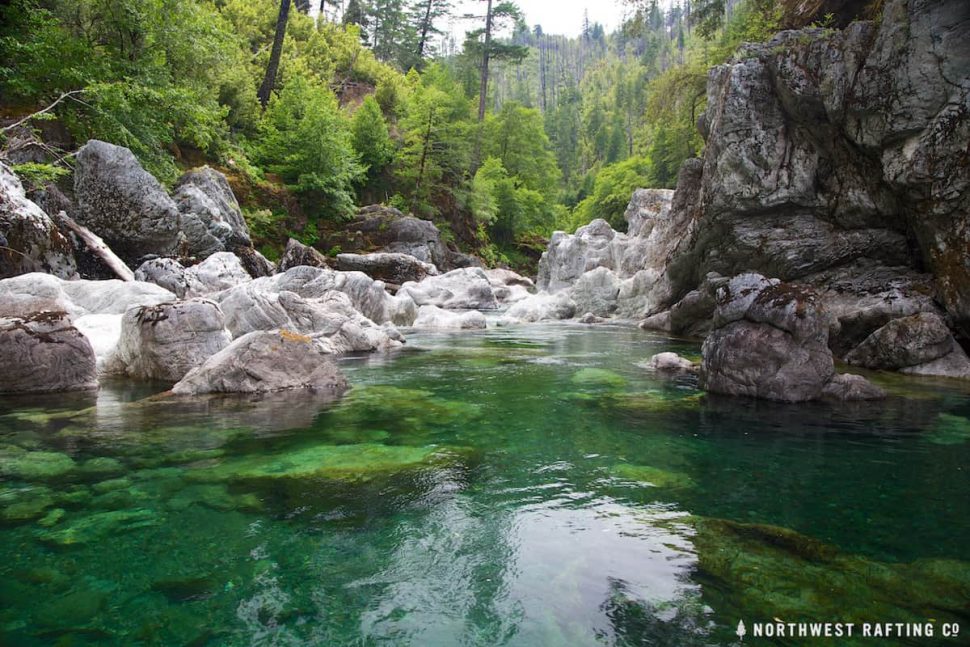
<point>297,254</point>
<point>385,229</point>
<point>211,218</point>
<point>390,267</point>
<point>920,344</point>
<point>29,240</point>
<point>266,361</point>
<point>44,353</point>
<point>770,341</point>
<point>166,341</point>
<point>847,387</point>
<point>123,204</point>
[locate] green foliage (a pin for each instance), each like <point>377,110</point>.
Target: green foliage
<point>370,137</point>
<point>306,140</point>
<point>37,176</point>
<point>611,193</point>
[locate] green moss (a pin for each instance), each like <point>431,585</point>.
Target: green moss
<point>19,463</point>
<point>99,526</point>
<point>950,430</point>
<point>23,504</point>
<point>800,577</point>
<point>652,476</point>
<point>598,377</point>
<point>351,463</point>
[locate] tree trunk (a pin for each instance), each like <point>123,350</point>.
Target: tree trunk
<point>269,81</point>
<point>486,52</point>
<point>425,28</point>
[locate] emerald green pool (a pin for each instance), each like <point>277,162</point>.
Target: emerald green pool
<point>521,486</point>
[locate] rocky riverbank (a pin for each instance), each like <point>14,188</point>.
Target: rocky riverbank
<point>829,220</point>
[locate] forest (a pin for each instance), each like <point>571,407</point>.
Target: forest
<point>313,111</point>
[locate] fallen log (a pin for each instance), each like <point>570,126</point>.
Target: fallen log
<point>96,246</point>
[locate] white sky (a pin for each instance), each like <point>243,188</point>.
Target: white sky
<point>556,16</point>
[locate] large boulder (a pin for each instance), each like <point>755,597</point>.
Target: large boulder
<point>29,240</point>
<point>920,344</point>
<point>329,316</point>
<point>218,272</point>
<point>770,341</point>
<point>123,204</point>
<point>38,292</point>
<point>385,229</point>
<point>211,218</point>
<point>44,353</point>
<point>266,361</point>
<point>297,254</point>
<point>435,318</point>
<point>541,306</point>
<point>393,268</point>
<point>840,152</point>
<point>166,341</point>
<point>464,289</point>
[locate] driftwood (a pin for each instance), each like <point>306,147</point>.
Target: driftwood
<point>97,247</point>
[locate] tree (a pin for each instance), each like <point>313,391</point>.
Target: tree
<point>269,80</point>
<point>480,42</point>
<point>424,16</point>
<point>306,140</point>
<point>371,140</point>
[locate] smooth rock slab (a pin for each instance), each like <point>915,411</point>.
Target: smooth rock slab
<point>266,361</point>
<point>44,353</point>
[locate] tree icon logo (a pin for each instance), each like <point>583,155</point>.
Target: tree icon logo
<point>741,630</point>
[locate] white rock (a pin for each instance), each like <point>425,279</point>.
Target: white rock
<point>435,318</point>
<point>467,288</point>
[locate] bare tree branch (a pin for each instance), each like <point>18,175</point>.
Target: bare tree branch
<point>66,95</point>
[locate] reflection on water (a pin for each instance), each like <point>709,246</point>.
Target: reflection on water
<point>522,486</point>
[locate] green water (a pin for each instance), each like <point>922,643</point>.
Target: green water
<point>523,486</point>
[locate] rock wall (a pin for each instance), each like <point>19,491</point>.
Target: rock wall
<point>841,159</point>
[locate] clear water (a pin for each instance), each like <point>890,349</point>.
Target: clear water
<point>523,486</point>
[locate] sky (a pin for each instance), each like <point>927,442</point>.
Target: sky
<point>556,16</point>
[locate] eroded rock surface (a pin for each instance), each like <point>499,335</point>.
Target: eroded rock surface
<point>44,353</point>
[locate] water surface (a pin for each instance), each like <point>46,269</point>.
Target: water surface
<point>521,486</point>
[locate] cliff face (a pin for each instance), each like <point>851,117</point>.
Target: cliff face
<point>840,159</point>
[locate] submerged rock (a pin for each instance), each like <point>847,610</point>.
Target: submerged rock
<point>264,362</point>
<point>652,476</point>
<point>99,526</point>
<point>352,463</point>
<point>44,353</point>
<point>19,463</point>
